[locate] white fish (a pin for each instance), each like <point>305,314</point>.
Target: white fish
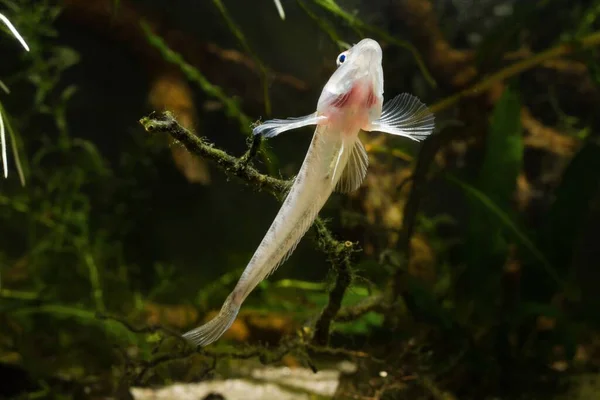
<point>351,101</point>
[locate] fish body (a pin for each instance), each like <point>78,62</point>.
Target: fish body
<point>351,101</point>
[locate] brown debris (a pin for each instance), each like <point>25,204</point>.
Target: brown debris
<point>450,66</point>
<point>525,193</point>
<point>549,139</point>
<point>170,91</point>
<point>176,316</point>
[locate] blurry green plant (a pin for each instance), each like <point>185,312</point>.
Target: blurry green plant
<point>63,231</point>
<point>69,237</point>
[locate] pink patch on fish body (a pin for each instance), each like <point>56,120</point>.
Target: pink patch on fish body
<point>350,111</point>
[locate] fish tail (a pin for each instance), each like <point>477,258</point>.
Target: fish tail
<point>214,329</point>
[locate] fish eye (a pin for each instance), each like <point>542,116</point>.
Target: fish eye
<point>341,58</point>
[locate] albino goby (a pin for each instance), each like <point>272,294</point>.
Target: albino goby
<point>351,101</point>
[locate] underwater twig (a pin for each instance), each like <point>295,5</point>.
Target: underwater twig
<point>265,355</point>
<point>350,313</point>
<point>333,351</point>
<point>143,329</point>
<point>338,252</point>
<point>166,123</point>
<point>339,257</point>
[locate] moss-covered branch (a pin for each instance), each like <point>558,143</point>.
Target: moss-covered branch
<point>339,256</point>
<point>376,303</point>
<point>165,123</point>
<point>296,345</point>
<point>338,252</point>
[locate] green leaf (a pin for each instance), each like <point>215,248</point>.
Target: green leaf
<point>486,245</point>
<point>504,150</point>
<point>567,215</point>
<point>507,223</point>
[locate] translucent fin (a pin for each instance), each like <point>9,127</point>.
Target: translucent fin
<point>274,127</point>
<point>355,171</point>
<point>216,327</point>
<point>406,116</point>
<point>340,154</point>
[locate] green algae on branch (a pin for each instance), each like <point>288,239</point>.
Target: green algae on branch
<point>166,123</point>
<point>339,256</point>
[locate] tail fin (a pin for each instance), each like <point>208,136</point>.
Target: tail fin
<point>214,329</point>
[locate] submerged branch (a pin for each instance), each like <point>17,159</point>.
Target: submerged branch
<point>351,313</point>
<point>339,257</point>
<point>166,123</point>
<point>338,252</point>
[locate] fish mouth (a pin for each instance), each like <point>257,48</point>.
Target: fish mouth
<point>370,51</point>
<point>367,64</point>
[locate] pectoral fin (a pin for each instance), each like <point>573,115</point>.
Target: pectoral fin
<point>355,171</point>
<point>274,127</point>
<point>406,116</point>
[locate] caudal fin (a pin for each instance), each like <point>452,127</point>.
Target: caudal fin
<point>213,329</point>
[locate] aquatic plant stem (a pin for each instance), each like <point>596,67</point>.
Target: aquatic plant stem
<point>97,294</point>
<point>237,32</point>
<point>338,252</point>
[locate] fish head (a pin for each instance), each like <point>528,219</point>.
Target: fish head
<point>356,87</point>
